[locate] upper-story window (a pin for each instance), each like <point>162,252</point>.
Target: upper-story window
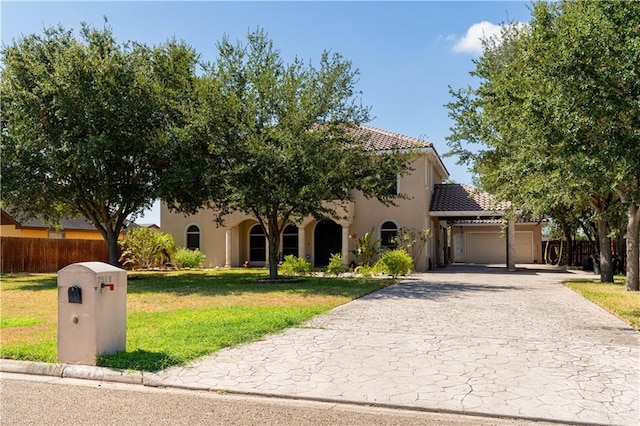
<point>193,237</point>
<point>388,235</point>
<point>392,184</point>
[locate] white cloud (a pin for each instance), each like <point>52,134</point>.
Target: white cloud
<point>471,42</point>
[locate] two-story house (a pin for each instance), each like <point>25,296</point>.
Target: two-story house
<point>242,240</point>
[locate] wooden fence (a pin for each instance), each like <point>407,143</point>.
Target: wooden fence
<point>581,251</point>
<point>48,255</point>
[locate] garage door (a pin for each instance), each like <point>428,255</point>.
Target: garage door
<point>485,247</point>
<point>491,247</point>
<point>524,247</point>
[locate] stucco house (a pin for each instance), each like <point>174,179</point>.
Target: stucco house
<point>241,239</point>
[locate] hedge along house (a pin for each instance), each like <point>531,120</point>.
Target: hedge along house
<point>241,239</point>
<point>472,225</point>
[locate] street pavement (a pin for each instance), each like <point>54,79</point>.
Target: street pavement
<point>463,340</point>
<point>41,400</point>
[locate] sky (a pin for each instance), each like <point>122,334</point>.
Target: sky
<point>408,53</point>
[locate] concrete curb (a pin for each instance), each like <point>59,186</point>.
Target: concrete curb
<point>29,367</point>
<point>86,372</point>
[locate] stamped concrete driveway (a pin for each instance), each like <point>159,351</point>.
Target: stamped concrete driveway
<point>476,340</point>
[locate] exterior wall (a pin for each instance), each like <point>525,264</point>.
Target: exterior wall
<point>363,214</point>
<point>409,213</point>
<point>12,231</point>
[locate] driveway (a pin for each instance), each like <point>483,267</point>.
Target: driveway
<point>469,339</point>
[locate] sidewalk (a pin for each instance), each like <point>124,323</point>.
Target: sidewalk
<point>471,340</point>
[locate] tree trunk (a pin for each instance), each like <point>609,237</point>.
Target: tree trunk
<point>111,237</point>
<point>274,246</point>
<point>606,271</point>
<point>633,252</point>
<point>568,238</point>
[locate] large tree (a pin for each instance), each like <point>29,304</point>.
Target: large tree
<point>557,113</point>
<point>276,141</point>
<point>85,123</point>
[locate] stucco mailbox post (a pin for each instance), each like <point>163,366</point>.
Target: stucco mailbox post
<point>92,312</point>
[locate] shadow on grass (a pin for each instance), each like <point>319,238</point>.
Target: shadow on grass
<point>30,282</point>
<point>212,283</point>
<point>235,283</point>
<point>139,360</point>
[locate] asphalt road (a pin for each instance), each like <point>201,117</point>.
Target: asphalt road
<point>40,400</point>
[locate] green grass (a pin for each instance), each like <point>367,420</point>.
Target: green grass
<point>175,317</point>
<point>7,322</point>
<point>611,296</point>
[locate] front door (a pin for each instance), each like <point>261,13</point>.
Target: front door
<point>327,239</point>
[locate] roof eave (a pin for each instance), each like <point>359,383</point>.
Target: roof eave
<point>469,213</point>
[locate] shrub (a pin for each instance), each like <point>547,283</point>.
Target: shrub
<point>366,247</point>
<point>186,258</point>
<point>293,265</point>
<point>335,264</point>
<point>413,241</point>
<point>144,248</point>
<point>396,262</point>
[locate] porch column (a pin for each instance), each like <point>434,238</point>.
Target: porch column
<point>302,244</point>
<point>511,244</point>
<point>345,245</point>
<point>227,251</point>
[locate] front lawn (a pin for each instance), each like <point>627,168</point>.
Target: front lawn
<point>613,297</point>
<point>175,317</point>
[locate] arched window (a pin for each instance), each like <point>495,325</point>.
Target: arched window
<point>193,237</point>
<point>257,244</point>
<point>290,240</point>
<point>388,234</point>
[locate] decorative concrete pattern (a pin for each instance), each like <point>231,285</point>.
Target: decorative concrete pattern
<point>473,340</point>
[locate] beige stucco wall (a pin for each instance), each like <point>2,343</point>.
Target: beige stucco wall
<point>364,214</point>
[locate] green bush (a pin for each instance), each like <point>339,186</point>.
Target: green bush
<point>396,262</point>
<point>293,265</point>
<point>143,248</point>
<point>186,258</point>
<point>365,271</point>
<point>336,263</point>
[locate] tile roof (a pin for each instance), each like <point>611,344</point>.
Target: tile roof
<point>21,221</point>
<point>380,140</point>
<point>462,198</point>
<point>77,224</point>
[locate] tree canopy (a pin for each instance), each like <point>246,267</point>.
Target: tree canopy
<point>276,141</point>
<point>86,122</point>
<point>556,116</point>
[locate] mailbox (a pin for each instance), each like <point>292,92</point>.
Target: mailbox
<point>75,294</point>
<point>92,312</point>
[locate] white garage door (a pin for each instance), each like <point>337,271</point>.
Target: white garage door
<point>485,247</point>
<point>491,247</point>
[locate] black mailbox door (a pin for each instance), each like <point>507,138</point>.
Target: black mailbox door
<point>75,294</point>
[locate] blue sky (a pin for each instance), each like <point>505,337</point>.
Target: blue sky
<point>408,53</point>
